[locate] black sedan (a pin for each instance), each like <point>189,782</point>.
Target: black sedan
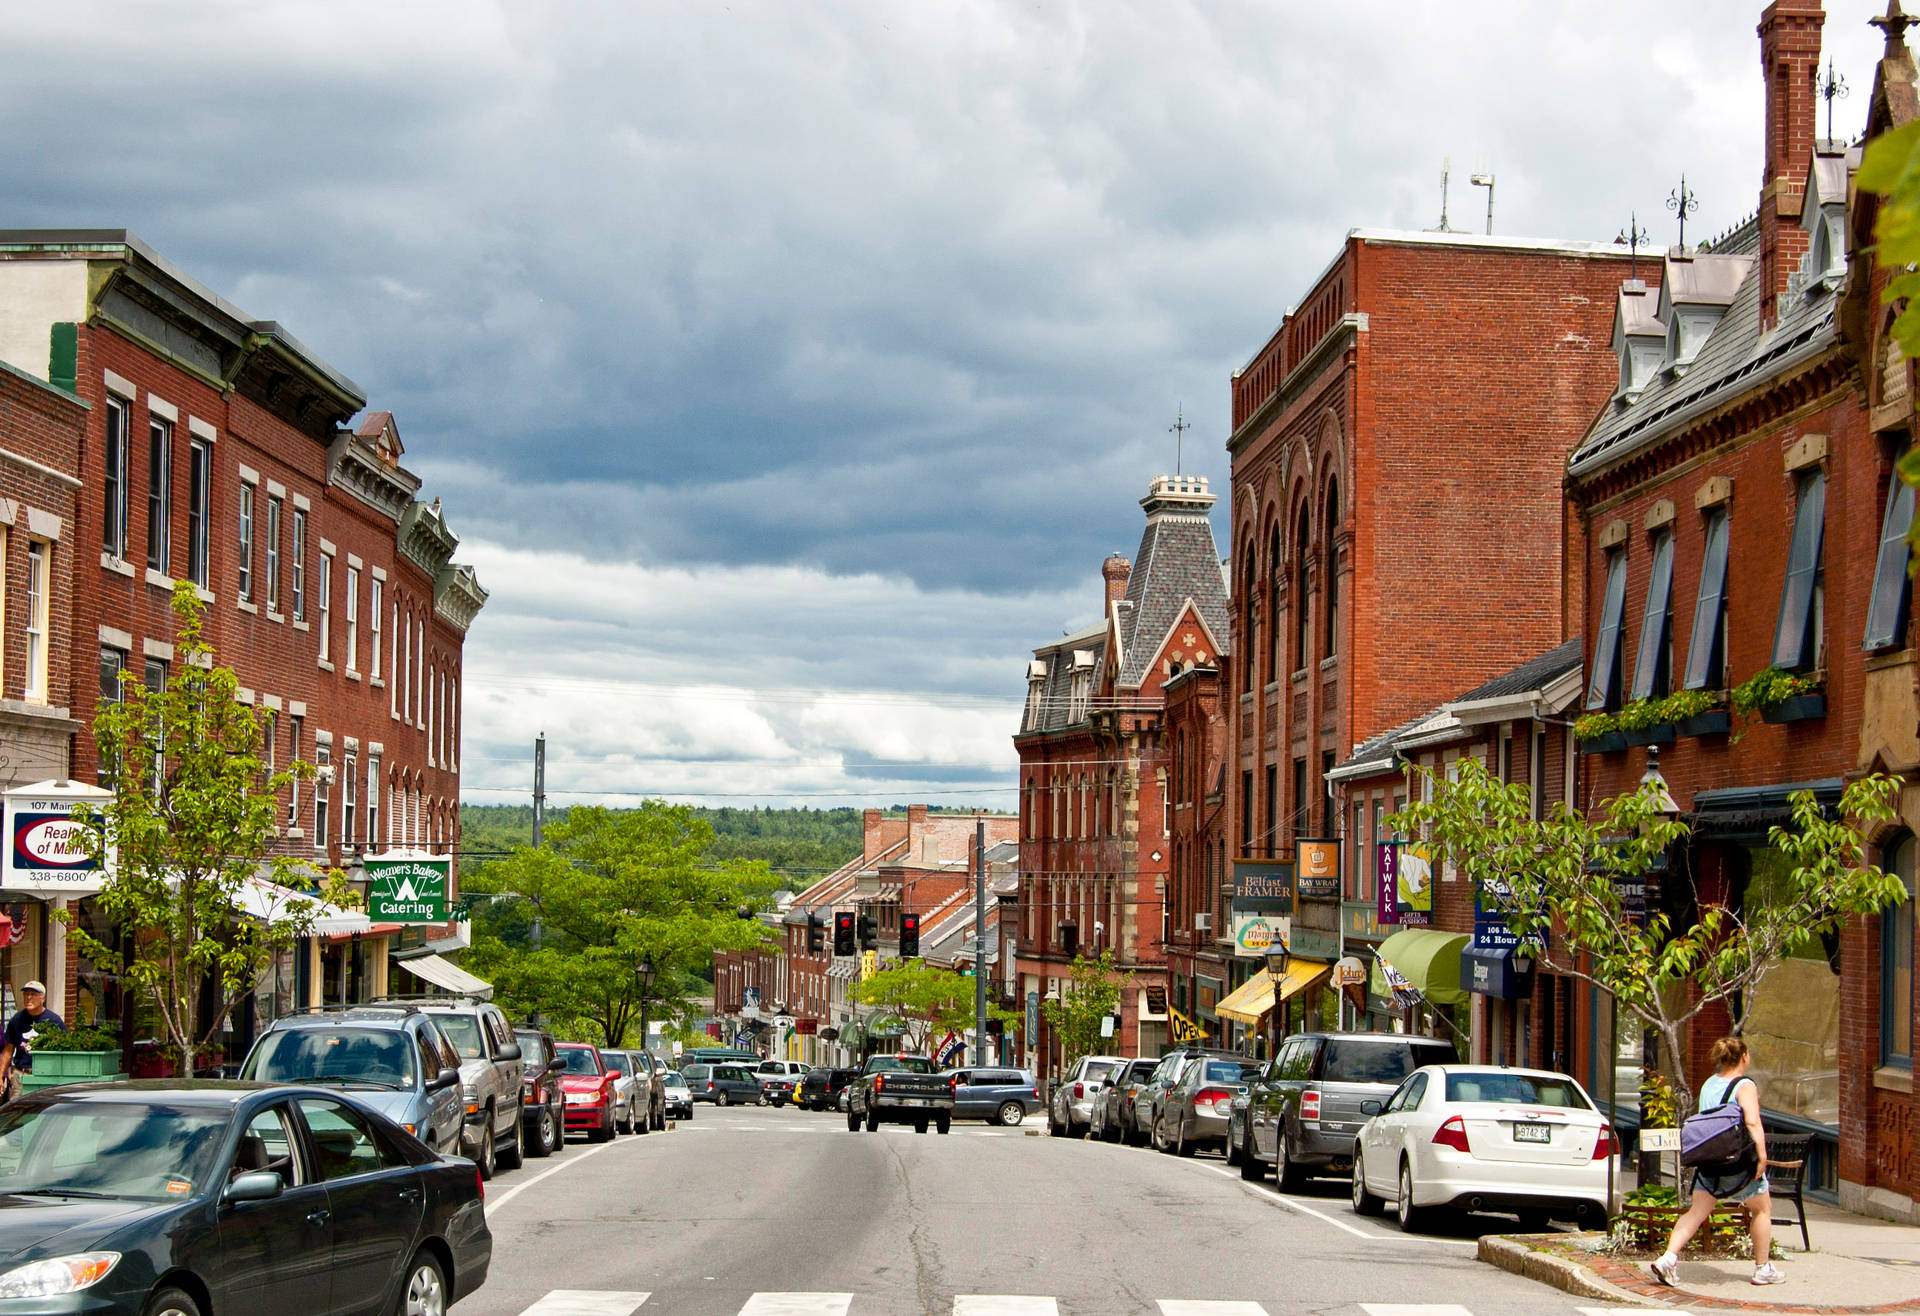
<point>167,1197</point>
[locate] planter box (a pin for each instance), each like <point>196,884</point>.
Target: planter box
<point>1659,734</point>
<point>1797,708</point>
<point>1649,1227</point>
<point>1713,722</point>
<point>51,1069</point>
<point>1610,743</point>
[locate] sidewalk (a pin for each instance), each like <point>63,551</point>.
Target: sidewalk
<point>1857,1264</point>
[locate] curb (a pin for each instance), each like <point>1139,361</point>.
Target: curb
<point>1512,1254</point>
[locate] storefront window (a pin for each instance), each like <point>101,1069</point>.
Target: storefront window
<point>1621,1080</point>
<point>1896,964</point>
<point>1793,1027</point>
<point>20,959</point>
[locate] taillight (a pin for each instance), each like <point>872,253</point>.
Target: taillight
<point>1603,1145</point>
<point>1079,1091</point>
<point>1218,1098</point>
<point>480,1181</point>
<point>1310,1105</point>
<point>1452,1134</point>
<point>879,1081</point>
<point>953,1084</point>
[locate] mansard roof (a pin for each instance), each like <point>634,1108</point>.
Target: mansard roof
<point>1177,564</point>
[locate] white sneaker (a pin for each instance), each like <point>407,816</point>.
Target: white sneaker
<point>1666,1270</point>
<point>1768,1274</point>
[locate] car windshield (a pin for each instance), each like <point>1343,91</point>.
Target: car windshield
<point>1223,1071</point>
<point>672,1079</point>
<point>89,1148</point>
<point>463,1030</point>
<point>1099,1069</point>
<point>532,1049</point>
<point>1355,1060</point>
<point>900,1065</point>
<point>618,1063</point>
<point>1141,1070</point>
<point>347,1056</point>
<point>577,1060</point>
<point>696,1071</point>
<point>1518,1089</point>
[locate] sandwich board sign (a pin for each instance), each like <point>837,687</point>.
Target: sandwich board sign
<point>407,886</point>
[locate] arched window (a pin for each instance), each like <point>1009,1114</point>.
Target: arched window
<point>1329,574</point>
<point>1249,630</point>
<point>1276,656</point>
<point>1302,612</point>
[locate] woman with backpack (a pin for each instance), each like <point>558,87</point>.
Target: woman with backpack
<point>1742,1180</point>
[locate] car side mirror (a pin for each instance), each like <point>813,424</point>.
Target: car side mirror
<point>511,1051</point>
<point>1369,1108</point>
<point>446,1078</point>
<point>255,1186</point>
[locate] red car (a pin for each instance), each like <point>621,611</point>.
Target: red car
<point>587,1086</point>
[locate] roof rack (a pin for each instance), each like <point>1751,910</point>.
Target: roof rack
<point>391,1005</point>
<point>427,998</point>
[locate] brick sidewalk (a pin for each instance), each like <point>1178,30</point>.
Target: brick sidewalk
<point>1633,1278</point>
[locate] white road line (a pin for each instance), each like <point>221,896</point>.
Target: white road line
<point>797,1304</point>
<point>1414,1309</point>
<point>494,1204</point>
<point>1293,1204</point>
<point>587,1302</point>
<point>978,1304</point>
<point>1179,1307</point>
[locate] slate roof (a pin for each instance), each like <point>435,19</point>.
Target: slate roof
<point>1379,751</point>
<point>1177,561</point>
<point>1056,687</point>
<point>1531,675</point>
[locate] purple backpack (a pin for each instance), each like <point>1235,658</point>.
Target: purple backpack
<point>1717,1138</point>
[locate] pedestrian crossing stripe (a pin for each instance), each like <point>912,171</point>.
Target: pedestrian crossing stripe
<point>1414,1309</point>
<point>587,1302</point>
<point>1177,1307</point>
<point>981,1304</point>
<point>797,1304</point>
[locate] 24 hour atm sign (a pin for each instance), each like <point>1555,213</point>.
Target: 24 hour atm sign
<point>407,890</point>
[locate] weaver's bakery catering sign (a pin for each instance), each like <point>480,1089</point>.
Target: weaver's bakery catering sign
<point>46,846</point>
<point>407,886</point>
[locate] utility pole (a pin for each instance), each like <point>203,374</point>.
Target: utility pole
<point>980,939</point>
<point>539,812</point>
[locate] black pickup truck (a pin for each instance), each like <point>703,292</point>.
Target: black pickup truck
<point>900,1090</point>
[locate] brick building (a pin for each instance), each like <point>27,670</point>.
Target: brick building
<point>1199,937</point>
<point>221,452</point>
<point>1096,824</point>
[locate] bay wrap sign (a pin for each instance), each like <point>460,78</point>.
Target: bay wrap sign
<point>1319,876</point>
<point>46,848</point>
<point>1262,907</point>
<point>405,887</point>
<point>1315,934</point>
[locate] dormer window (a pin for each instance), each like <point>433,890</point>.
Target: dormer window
<point>1639,339</point>
<point>1036,687</point>
<point>1082,686</point>
<point>1823,214</point>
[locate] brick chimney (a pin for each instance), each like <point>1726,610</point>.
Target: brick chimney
<point>871,840</point>
<point>1789,59</point>
<point>1116,570</point>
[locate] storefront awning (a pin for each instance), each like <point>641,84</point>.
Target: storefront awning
<point>1428,959</point>
<point>448,975</point>
<point>272,903</point>
<point>1253,999</point>
<point>1495,971</point>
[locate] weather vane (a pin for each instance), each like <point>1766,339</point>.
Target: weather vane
<point>1631,237</point>
<point>1683,203</point>
<point>1830,89</point>
<point>1179,430</point>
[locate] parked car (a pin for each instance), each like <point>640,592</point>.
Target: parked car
<point>822,1086</point>
<point>1113,1106</point>
<point>723,1085</point>
<point>999,1096</point>
<point>1137,1131</point>
<point>592,1103</point>
<point>779,1080</point>
<point>1193,1112</point>
<point>392,1059</point>
<point>900,1089</point>
<point>543,1106</point>
<point>629,1113</point>
<point>1070,1104</point>
<point>1468,1138</point>
<point>193,1197</point>
<point>676,1096</point>
<point>651,1074</point>
<point>491,1072</point>
<point>1303,1111</point>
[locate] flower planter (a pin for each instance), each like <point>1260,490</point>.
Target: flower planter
<point>1661,733</point>
<point>1796,708</point>
<point>53,1068</point>
<point>1648,1227</point>
<point>1713,722</point>
<point>1610,743</point>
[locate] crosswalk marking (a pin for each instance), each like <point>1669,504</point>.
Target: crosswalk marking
<point>586,1302</point>
<point>982,1304</point>
<point>1414,1309</point>
<point>1176,1307</point>
<point>797,1304</point>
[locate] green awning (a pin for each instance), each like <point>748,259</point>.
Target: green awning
<point>1427,958</point>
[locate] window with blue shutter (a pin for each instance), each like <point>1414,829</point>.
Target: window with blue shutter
<point>1796,639</point>
<point>1603,685</point>
<point>1653,665</point>
<point>1706,651</point>
<point>1887,611</point>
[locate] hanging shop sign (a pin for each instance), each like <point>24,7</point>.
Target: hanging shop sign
<point>1319,875</point>
<point>1406,883</point>
<point>1262,906</point>
<point>1255,934</point>
<point>46,846</point>
<point>407,886</point>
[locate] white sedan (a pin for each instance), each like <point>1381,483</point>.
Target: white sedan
<point>1473,1138</point>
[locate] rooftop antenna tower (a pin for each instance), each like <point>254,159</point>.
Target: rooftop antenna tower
<point>1484,178</point>
<point>1446,169</point>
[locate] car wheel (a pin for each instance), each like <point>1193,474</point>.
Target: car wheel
<point>1533,1222</point>
<point>1181,1146</point>
<point>919,1126</point>
<point>944,1124</point>
<point>1410,1216</point>
<point>545,1136</point>
<point>486,1160</point>
<point>1157,1137</point>
<point>660,1118</point>
<point>170,1302</point>
<point>1053,1125</point>
<point>873,1121</point>
<point>853,1122</point>
<point>425,1293</point>
<point>514,1156</point>
<point>623,1122</point>
<point>1364,1202</point>
<point>645,1118</point>
<point>1285,1170</point>
<point>722,1099</point>
<point>1012,1113</point>
<point>1252,1168</point>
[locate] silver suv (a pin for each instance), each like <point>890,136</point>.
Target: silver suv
<point>490,1073</point>
<point>1070,1105</point>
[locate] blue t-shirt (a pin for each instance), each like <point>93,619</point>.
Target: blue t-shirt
<point>21,1030</point>
<point>1718,1090</point>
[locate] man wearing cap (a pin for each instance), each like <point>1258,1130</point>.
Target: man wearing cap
<point>16,1053</point>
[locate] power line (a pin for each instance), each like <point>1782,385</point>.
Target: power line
<point>882,788</point>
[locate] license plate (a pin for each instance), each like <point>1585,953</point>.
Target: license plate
<point>915,1101</point>
<point>1533,1133</point>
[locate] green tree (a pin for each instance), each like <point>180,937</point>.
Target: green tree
<point>1091,994</point>
<point>1559,882</point>
<point>190,829</point>
<point>1890,168</point>
<point>929,1001</point>
<point>631,913</point>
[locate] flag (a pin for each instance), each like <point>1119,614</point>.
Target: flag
<point>949,1051</point>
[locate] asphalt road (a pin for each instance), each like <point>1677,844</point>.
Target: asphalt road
<point>785,1213</point>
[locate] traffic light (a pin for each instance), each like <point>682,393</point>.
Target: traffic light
<point>909,936</point>
<point>869,932</point>
<point>816,933</point>
<point>843,943</point>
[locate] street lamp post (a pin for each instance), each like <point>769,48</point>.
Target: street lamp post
<point>1276,961</point>
<point>644,973</point>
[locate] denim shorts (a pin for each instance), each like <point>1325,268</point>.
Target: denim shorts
<point>1738,1187</point>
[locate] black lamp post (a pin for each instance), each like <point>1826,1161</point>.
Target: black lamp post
<point>643,971</point>
<point>1276,960</point>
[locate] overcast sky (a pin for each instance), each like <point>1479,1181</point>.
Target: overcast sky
<point>788,368</point>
